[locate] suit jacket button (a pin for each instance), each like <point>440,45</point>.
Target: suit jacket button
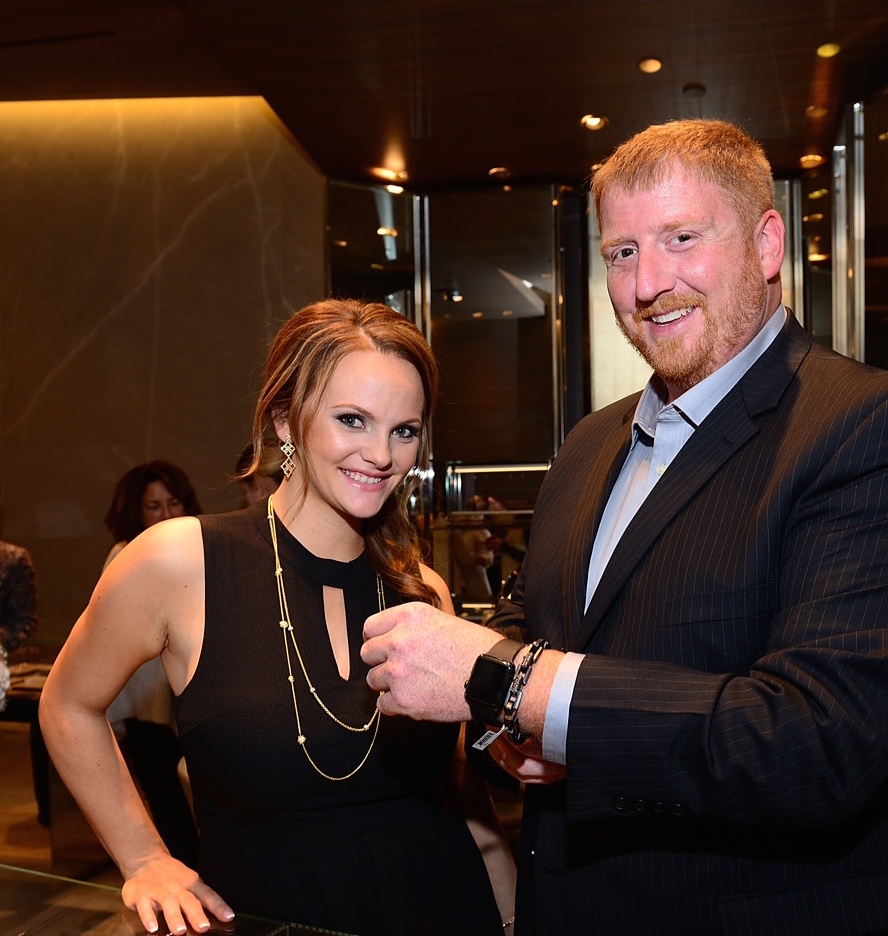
<point>641,805</point>
<point>678,809</point>
<point>658,807</point>
<point>619,804</point>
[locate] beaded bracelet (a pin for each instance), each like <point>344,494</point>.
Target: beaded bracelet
<point>516,691</point>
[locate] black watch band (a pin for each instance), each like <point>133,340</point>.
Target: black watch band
<point>488,686</point>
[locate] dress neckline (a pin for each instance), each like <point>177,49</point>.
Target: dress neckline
<point>331,572</point>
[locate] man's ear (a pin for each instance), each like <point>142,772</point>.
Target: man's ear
<point>770,236</point>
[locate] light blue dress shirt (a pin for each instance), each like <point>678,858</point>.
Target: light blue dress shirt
<point>659,430</point>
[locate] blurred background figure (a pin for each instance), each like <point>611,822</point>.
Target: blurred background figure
<point>257,485</point>
<point>142,715</point>
<point>18,622</point>
<point>18,597</point>
<point>145,495</point>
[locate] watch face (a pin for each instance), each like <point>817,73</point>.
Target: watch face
<point>489,683</point>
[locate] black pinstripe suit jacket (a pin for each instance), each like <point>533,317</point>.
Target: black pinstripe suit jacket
<point>728,737</point>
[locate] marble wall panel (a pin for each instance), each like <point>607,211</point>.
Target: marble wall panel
<point>148,252</point>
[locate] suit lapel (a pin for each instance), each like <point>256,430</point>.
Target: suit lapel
<point>727,428</point>
<point>600,478</point>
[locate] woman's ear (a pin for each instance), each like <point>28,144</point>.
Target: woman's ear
<point>282,426</point>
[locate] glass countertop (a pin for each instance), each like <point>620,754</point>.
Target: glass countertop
<point>33,903</point>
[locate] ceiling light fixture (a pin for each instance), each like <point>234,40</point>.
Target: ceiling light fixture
<point>816,111</point>
<point>386,232</point>
<point>594,122</point>
<point>650,66</point>
<point>811,161</point>
<point>389,175</point>
<point>499,172</point>
<point>828,50</point>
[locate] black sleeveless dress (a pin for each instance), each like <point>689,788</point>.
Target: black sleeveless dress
<point>376,854</point>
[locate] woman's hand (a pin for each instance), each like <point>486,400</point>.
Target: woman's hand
<point>166,885</point>
<point>525,763</point>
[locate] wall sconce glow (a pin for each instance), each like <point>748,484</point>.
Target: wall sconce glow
<point>811,161</point>
<point>812,218</point>
<point>883,137</point>
<point>340,243</point>
<point>499,172</point>
<point>828,50</point>
<point>818,193</point>
<point>816,111</point>
<point>477,315</point>
<point>386,232</point>
<point>394,189</point>
<point>594,122</point>
<point>452,295</point>
<point>650,66</point>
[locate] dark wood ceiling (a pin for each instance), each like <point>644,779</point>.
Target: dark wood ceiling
<point>448,89</point>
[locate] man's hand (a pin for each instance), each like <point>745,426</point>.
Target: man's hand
<point>525,763</point>
<point>421,658</point>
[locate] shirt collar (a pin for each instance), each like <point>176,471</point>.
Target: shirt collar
<point>696,404</point>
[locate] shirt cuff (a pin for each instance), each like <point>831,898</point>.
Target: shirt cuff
<point>558,708</point>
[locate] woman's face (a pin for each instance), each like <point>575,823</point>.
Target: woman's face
<point>158,504</point>
<point>365,437</point>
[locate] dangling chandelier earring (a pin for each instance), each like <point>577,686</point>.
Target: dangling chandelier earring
<point>287,447</point>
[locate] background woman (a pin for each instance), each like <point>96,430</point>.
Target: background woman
<point>142,713</point>
<point>311,807</point>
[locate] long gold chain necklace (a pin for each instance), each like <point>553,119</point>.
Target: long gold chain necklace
<point>287,629</point>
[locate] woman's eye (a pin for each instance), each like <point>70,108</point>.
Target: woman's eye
<point>350,420</point>
<point>407,433</point>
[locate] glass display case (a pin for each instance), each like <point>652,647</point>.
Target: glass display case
<point>480,539</point>
<point>34,902</point>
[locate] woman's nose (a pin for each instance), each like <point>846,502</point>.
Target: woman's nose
<point>377,451</point>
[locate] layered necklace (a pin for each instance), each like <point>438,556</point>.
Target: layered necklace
<point>290,638</point>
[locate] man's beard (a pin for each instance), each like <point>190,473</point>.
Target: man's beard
<point>725,332</point>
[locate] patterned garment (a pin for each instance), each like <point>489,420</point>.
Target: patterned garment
<point>18,596</point>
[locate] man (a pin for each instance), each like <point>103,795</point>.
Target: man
<point>709,753</point>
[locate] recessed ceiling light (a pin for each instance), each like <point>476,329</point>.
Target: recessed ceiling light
<point>828,49</point>
<point>389,175</point>
<point>811,161</point>
<point>650,66</point>
<point>883,136</point>
<point>594,122</point>
<point>816,111</point>
<point>499,172</point>
<point>819,193</point>
<point>386,232</point>
<point>812,218</point>
<point>394,189</point>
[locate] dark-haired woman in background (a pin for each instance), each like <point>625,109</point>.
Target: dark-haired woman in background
<point>142,714</point>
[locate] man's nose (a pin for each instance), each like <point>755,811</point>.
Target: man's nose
<point>653,276</point>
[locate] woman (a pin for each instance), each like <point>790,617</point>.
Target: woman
<point>145,495</point>
<point>311,807</point>
<point>142,714</point>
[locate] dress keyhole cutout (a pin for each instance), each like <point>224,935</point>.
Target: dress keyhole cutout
<point>334,614</point>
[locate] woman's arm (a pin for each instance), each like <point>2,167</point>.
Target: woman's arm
<point>148,603</point>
